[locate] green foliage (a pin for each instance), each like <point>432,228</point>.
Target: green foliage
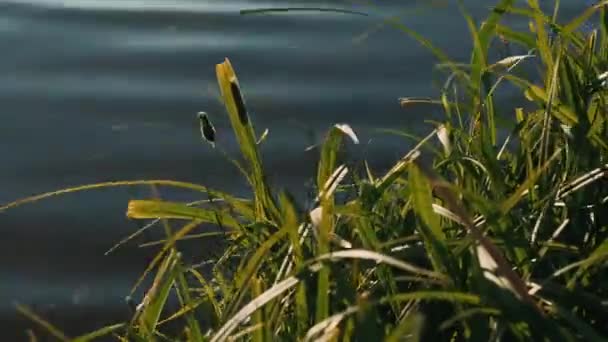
<point>487,240</point>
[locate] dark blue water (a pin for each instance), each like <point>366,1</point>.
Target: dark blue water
<point>94,90</point>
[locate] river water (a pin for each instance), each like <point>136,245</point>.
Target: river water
<point>94,91</point>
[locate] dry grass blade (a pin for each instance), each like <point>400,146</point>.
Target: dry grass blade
<point>444,138</point>
<point>346,129</point>
<point>247,331</point>
<point>510,61</point>
<point>228,327</point>
<point>408,101</point>
<point>332,183</point>
<point>363,254</point>
<point>287,264</point>
<point>583,181</point>
<point>326,328</point>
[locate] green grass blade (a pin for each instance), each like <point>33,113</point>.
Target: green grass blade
<point>169,244</point>
<point>93,336</point>
<point>245,275</point>
<point>542,38</point>
<point>430,229</point>
<point>564,114</point>
<point>183,290</point>
<point>411,326</point>
<point>397,170</point>
<point>51,329</point>
<point>420,189</point>
<point>157,295</point>
<point>152,209</point>
<point>516,196</point>
<point>488,28</point>
<point>587,332</point>
<point>329,152</point>
<point>257,316</point>
<point>328,177</point>
<point>244,132</point>
<point>456,297</point>
<point>87,187</point>
<point>575,23</point>
<point>524,38</point>
<point>210,294</point>
<point>597,258</point>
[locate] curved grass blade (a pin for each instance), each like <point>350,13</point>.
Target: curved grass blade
<point>575,23</point>
<point>329,152</point>
<point>262,137</point>
<point>243,314</point>
<point>488,28</point>
<point>327,327</point>
<point>114,184</point>
<point>597,257</point>
<point>379,258</point>
<point>411,326</point>
<point>301,9</point>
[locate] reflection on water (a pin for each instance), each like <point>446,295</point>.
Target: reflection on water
<point>97,90</point>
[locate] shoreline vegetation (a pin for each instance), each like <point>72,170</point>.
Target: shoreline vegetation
<point>487,239</point>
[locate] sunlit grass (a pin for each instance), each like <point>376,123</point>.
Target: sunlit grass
<point>487,239</point>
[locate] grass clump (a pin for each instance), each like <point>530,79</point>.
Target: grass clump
<point>491,238</point>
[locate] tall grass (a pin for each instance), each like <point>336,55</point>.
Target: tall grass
<point>493,239</point>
